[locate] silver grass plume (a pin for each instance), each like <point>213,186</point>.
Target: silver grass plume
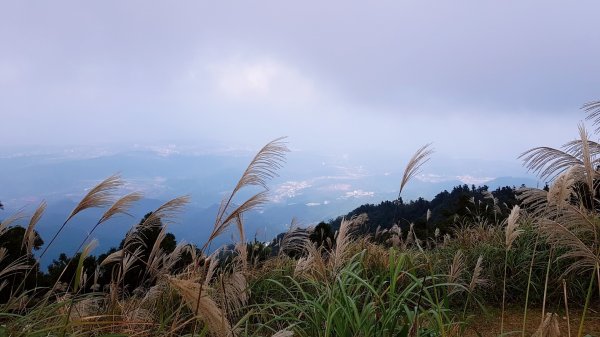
<point>213,262</point>
<point>589,161</point>
<point>593,110</point>
<point>536,200</point>
<point>312,265</point>
<point>294,239</point>
<point>99,196</point>
<point>13,267</point>
<point>548,163</point>
<point>512,231</point>
<point>198,300</point>
<point>6,223</point>
<point>456,269</point>
<point>567,232</point>
<point>561,189</point>
<point>29,236</point>
<point>339,254</point>
<point>167,212</point>
<point>414,165</point>
<point>476,279</point>
<point>262,168</point>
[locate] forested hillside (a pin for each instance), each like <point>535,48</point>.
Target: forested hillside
<point>463,204</point>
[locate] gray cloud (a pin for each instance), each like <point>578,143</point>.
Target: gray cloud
<point>332,75</point>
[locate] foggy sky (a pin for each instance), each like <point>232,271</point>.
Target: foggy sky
<point>480,79</point>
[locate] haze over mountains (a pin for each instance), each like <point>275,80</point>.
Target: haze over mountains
<point>310,187</point>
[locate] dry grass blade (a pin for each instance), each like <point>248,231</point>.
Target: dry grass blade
<point>172,258</point>
<point>3,285</point>
<point>240,262</point>
<point>295,239</point>
<point>154,258</point>
<point>88,248</point>
<point>312,264</point>
<point>29,236</point>
<point>575,148</point>
<point>548,162</point>
<point>414,165</point>
<point>579,156</point>
<point>343,239</point>
<point>457,267</point>
<point>167,211</point>
<point>593,110</point>
<point>560,191</point>
<point>3,253</point>
<point>283,333</point>
<point>511,228</point>
<point>548,327</point>
<point>135,238</point>
<point>113,257</point>
<point>192,250</point>
<point>262,167</point>
<point>84,254</point>
<point>534,199</point>
<point>234,292</point>
<point>127,261</point>
<point>567,235</point>
<point>155,267</point>
<point>96,286</point>
<point>6,223</point>
<point>15,266</point>
<point>121,206</point>
<point>99,196</point>
<point>213,263</point>
<point>476,279</point>
<point>224,220</point>
<point>588,161</point>
<point>200,302</point>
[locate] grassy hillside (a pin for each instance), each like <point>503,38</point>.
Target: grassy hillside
<point>491,268</point>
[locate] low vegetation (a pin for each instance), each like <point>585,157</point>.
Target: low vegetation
<point>421,268</point>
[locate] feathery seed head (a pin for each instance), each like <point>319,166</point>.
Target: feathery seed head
<point>511,231</point>
<point>99,196</point>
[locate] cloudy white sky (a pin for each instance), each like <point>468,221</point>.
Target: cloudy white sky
<point>480,79</point>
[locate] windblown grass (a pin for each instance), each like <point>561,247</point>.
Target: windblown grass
<point>351,285</point>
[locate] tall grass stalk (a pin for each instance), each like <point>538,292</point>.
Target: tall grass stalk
<point>99,196</point>
<point>78,272</point>
<point>263,167</point>
<point>504,291</point>
<point>587,303</point>
<point>511,233</point>
<point>547,277</point>
<point>529,284</point>
<point>564,283</point>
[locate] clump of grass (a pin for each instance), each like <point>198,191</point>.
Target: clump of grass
<point>353,303</point>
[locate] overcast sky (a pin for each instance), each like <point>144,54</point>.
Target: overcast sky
<point>480,79</point>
